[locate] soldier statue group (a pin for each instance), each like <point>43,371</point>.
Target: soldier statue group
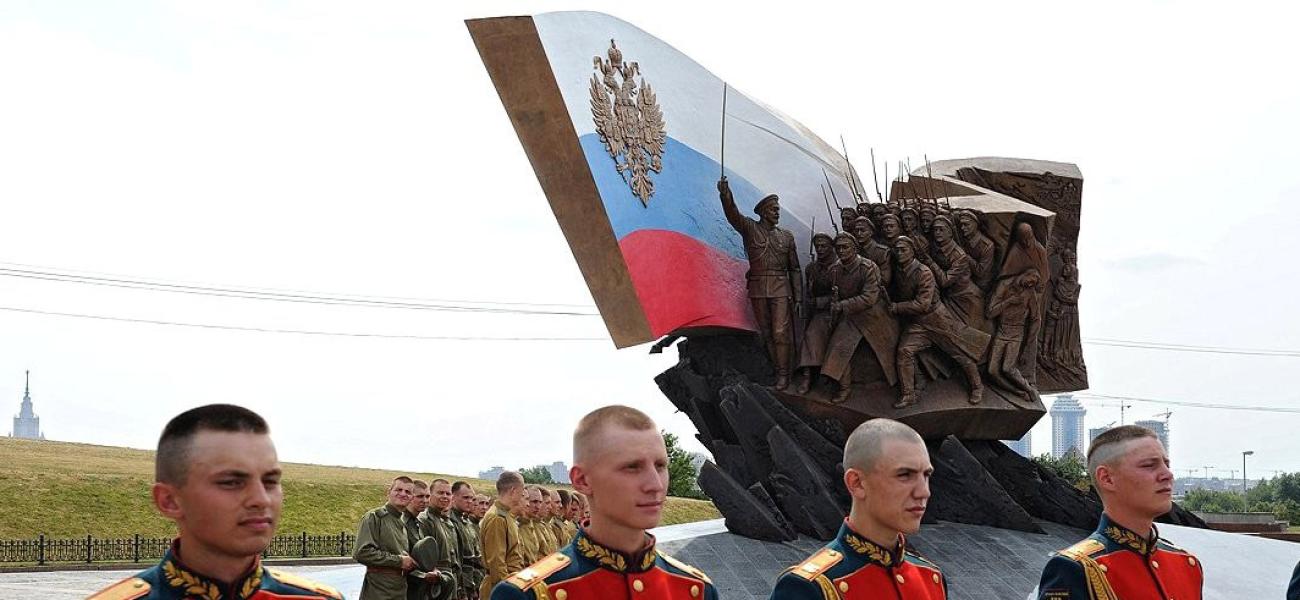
<point>909,279</point>
<point>218,479</point>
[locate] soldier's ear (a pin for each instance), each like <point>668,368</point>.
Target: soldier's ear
<point>578,479</point>
<point>855,483</point>
<point>1103,478</point>
<point>166,500</point>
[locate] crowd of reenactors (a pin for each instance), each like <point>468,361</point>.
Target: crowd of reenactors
<point>218,478</point>
<point>904,277</point>
<point>442,540</point>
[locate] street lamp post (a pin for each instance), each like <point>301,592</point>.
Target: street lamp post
<point>1243,470</point>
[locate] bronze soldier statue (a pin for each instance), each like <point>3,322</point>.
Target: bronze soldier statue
<point>1013,306</point>
<point>775,283</point>
<point>817,300</point>
<point>847,216</point>
<point>878,210</point>
<point>978,246</point>
<point>858,310</point>
<point>926,215</point>
<point>952,272</point>
<point>864,233</point>
<point>931,324</point>
<point>888,229</point>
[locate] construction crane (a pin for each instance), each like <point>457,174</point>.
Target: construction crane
<point>1165,415</point>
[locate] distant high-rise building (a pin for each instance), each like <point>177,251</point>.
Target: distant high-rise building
<point>559,472</point>
<point>1160,427</point>
<point>27,425</point>
<point>491,474</point>
<point>1023,446</point>
<point>1093,432</point>
<point>1067,426</point>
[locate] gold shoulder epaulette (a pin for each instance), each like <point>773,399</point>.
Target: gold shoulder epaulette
<point>131,587</point>
<point>817,564</point>
<point>304,583</point>
<point>1087,547</point>
<point>538,571</point>
<point>698,574</point>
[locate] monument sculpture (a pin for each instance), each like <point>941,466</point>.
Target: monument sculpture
<point>948,302</point>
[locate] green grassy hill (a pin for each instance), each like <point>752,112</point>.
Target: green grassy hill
<point>67,490</point>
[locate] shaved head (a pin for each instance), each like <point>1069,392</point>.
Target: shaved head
<point>1113,444</point>
<point>587,438</point>
<point>867,442</point>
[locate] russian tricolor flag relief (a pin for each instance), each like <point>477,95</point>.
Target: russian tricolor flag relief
<point>625,135</point>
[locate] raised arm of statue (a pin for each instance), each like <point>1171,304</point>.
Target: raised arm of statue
<point>729,209</point>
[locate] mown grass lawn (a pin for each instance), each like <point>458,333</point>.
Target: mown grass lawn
<point>69,490</point>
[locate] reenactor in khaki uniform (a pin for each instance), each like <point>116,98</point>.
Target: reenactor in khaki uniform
<point>532,543</point>
<point>614,557</point>
<point>217,477</point>
<point>557,521</point>
<point>887,473</point>
<point>499,533</point>
<point>383,547</point>
<point>437,521</point>
<point>471,557</point>
<point>569,507</point>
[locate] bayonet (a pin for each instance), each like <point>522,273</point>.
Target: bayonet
<point>833,196</point>
<point>722,153</point>
<point>874,181</point>
<point>828,211</point>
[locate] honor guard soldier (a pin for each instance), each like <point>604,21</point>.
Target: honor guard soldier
<point>887,473</point>
<point>1125,558</point>
<point>620,463</point>
<point>217,476</point>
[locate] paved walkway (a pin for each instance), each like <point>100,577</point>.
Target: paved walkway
<point>68,585</point>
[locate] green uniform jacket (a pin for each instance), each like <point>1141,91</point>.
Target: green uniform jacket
<point>471,557</point>
<point>502,550</point>
<point>438,525</point>
<point>381,542</point>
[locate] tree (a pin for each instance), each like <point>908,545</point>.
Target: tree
<point>1214,501</point>
<point>536,475</point>
<point>1069,467</point>
<point>681,469</point>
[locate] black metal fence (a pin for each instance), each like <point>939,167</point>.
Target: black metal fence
<point>43,550</point>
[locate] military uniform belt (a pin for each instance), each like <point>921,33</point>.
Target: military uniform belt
<point>385,571</point>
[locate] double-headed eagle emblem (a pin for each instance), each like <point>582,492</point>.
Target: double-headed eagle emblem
<point>629,121</point>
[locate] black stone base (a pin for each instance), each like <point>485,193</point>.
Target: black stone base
<point>779,473</point>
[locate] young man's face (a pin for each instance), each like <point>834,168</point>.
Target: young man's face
<point>534,504</point>
<point>230,501</point>
<point>1140,480</point>
<point>419,500</point>
<point>626,478</point>
<point>400,494</point>
<point>440,495</point>
<point>465,500</point>
<point>895,491</point>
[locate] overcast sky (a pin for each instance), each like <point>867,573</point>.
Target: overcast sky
<point>350,149</point>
